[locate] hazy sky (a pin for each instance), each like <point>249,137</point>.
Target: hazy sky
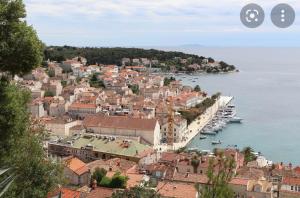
<point>156,23</point>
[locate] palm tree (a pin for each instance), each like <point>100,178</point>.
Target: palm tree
<point>248,153</point>
<point>7,177</point>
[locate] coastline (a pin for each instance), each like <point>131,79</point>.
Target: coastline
<point>198,124</point>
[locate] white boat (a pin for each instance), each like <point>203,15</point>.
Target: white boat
<point>236,120</point>
<point>202,137</point>
<point>208,133</point>
<point>216,142</point>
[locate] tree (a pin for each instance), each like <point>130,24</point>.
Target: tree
<point>48,93</point>
<point>30,174</point>
<point>118,181</point>
<point>134,88</point>
<point>197,88</point>
<point>248,154</point>
<point>98,174</point>
<point>105,182</point>
<point>195,163</point>
<point>21,147</point>
<point>95,82</point>
<point>136,192</point>
<point>167,80</point>
<point>20,48</point>
<point>219,173</point>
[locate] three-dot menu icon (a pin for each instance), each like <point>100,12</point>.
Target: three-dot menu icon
<point>283,15</point>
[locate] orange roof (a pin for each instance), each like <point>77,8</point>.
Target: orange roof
<point>134,180</point>
<point>297,169</point>
<point>77,166</point>
<point>100,192</point>
<point>65,192</point>
<point>291,181</point>
<point>176,190</point>
<point>239,181</point>
<point>120,122</point>
<point>82,106</point>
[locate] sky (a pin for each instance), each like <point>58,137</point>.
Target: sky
<point>135,23</point>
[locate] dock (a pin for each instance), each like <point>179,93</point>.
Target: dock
<point>200,122</point>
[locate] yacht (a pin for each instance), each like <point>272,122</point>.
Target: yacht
<point>208,133</point>
<point>216,142</point>
<point>202,137</point>
<point>236,120</point>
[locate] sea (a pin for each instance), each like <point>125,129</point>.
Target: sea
<point>266,94</point>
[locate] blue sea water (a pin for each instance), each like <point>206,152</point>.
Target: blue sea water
<point>267,96</point>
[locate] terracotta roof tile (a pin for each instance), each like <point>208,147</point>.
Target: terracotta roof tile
<point>120,122</point>
<point>176,190</point>
<point>77,166</point>
<point>100,192</point>
<point>82,105</point>
<point>291,181</point>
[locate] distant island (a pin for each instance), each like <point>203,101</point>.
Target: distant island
<point>158,60</point>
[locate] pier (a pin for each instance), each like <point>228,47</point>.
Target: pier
<point>199,123</point>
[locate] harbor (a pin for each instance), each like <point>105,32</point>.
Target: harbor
<point>202,123</point>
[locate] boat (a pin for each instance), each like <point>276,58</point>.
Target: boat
<point>235,120</point>
<point>216,142</point>
<point>202,137</point>
<point>208,133</point>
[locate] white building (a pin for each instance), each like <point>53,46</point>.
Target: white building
<point>148,130</point>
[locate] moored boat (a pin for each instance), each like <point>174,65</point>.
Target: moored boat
<point>216,142</point>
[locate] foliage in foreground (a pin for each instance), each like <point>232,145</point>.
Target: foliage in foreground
<point>219,174</point>
<point>21,147</point>
<point>30,173</point>
<point>20,48</point>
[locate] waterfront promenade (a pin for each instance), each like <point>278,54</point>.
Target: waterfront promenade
<point>199,123</point>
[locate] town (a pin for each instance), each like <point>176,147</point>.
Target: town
<point>124,123</point>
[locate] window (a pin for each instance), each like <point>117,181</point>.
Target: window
<point>292,187</point>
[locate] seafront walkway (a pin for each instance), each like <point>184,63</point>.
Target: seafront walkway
<point>199,123</point>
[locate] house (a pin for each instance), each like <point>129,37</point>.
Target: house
<point>176,190</point>
<point>57,108</point>
<point>76,171</point>
<point>148,130</point>
<point>36,108</point>
<point>80,110</point>
<point>187,100</point>
<point>89,147</point>
<point>115,164</point>
<point>100,192</point>
<point>137,68</point>
<point>244,187</point>
<point>65,193</point>
<point>54,86</point>
<point>69,64</point>
<point>60,125</point>
<point>55,69</point>
<point>179,128</point>
<point>290,187</point>
<point>125,61</point>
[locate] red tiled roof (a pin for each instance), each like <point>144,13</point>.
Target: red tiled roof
<point>176,190</point>
<point>82,106</point>
<point>120,122</point>
<point>65,192</point>
<point>77,166</point>
<point>291,181</point>
<point>100,192</point>
<point>239,181</point>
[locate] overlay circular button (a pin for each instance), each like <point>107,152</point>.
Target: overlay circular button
<point>283,15</point>
<point>252,15</point>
